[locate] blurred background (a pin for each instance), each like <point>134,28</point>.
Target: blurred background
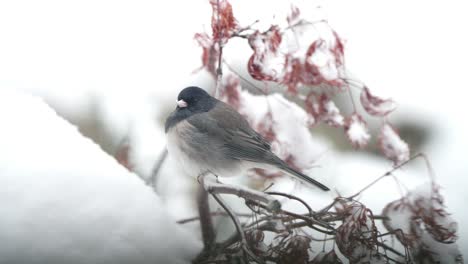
<point>114,69</point>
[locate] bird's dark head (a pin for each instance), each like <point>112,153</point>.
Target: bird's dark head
<point>190,101</point>
<point>194,99</point>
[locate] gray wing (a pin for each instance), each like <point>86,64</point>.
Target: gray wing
<point>226,128</point>
<point>232,132</point>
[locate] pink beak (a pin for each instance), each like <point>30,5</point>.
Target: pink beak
<point>181,103</point>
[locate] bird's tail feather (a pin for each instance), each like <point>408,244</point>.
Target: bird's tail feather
<point>303,177</point>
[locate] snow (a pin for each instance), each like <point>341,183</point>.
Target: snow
<point>357,131</point>
<point>64,200</point>
<point>392,145</point>
<point>332,114</point>
<point>324,59</point>
<point>270,62</point>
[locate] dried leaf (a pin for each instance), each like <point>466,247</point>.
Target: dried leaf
<point>375,105</point>
<point>273,38</point>
<point>338,49</point>
<point>356,238</point>
<point>255,240</point>
<point>330,113</point>
<point>392,146</point>
<point>209,54</point>
<point>293,17</point>
<point>265,64</point>
<point>321,65</point>
<point>312,74</point>
<point>312,107</point>
<point>223,22</point>
<point>322,108</point>
<point>296,250</point>
<point>293,73</point>
<point>419,220</point>
<point>230,92</point>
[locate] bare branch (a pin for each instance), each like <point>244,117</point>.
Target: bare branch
<point>196,218</point>
<point>239,229</point>
<point>292,197</point>
<point>206,222</point>
<point>157,167</point>
<point>243,192</point>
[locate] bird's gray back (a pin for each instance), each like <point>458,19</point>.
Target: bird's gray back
<point>231,134</point>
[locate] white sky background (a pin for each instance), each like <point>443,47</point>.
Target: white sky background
<point>128,52</point>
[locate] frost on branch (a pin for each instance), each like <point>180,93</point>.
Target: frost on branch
<point>420,222</point>
<point>357,131</point>
<point>392,146</point>
<point>375,105</point>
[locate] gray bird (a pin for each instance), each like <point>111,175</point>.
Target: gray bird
<point>205,134</point>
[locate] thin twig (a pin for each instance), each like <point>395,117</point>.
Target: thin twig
<point>351,98</point>
<point>157,167</point>
<point>388,173</point>
<point>219,70</point>
<point>196,218</point>
<point>292,197</point>
<point>304,22</point>
<point>244,79</point>
<point>386,247</point>
<point>311,222</point>
<point>246,193</point>
<point>238,226</point>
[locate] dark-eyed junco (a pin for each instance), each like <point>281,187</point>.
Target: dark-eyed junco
<point>205,134</point>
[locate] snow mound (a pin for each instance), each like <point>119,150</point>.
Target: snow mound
<point>63,200</point>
